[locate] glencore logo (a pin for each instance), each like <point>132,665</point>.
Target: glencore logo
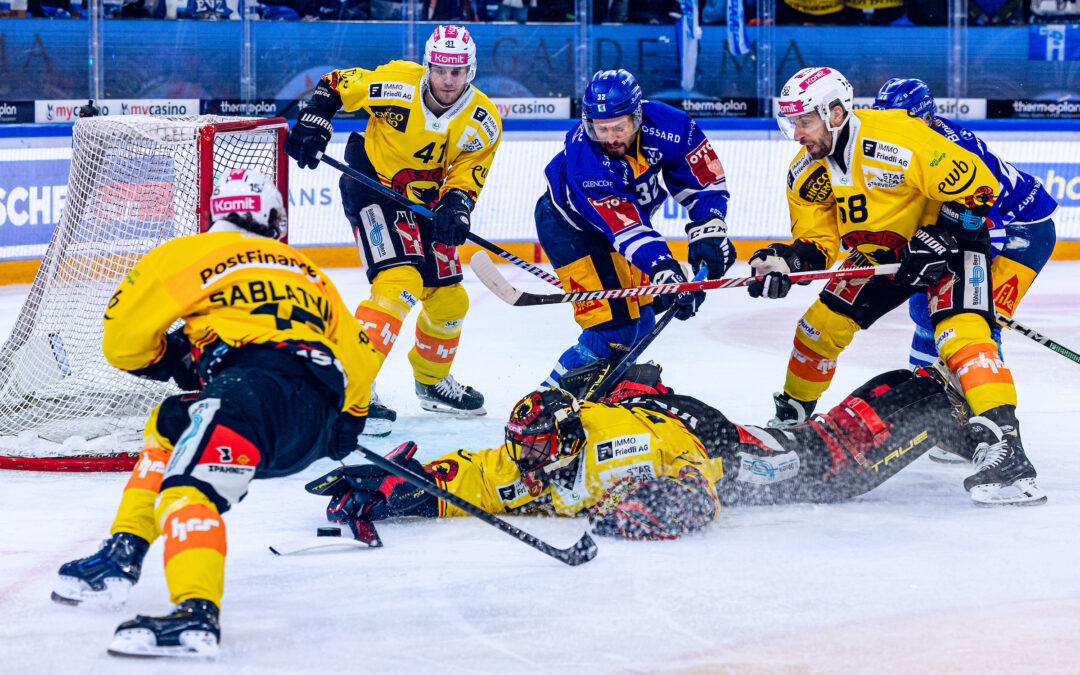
<point>234,204</point>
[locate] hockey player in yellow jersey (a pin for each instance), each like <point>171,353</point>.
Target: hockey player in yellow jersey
<point>646,463</point>
<point>884,186</point>
<point>431,137</point>
<point>282,374</point>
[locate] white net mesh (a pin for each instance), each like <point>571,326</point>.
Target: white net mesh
<point>135,182</point>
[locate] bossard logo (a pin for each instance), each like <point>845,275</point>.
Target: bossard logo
<point>900,451</point>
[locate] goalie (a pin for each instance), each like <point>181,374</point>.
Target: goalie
<point>649,464</point>
<point>283,373</point>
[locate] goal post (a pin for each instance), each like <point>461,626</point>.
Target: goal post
<point>136,182</point>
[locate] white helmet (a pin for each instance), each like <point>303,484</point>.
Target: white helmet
<point>451,46</point>
<point>814,90</point>
<point>249,199</point>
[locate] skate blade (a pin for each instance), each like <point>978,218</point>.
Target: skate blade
<point>142,643</point>
<point>447,411</point>
<point>945,457</point>
<point>1023,492</point>
<point>377,427</point>
<point>75,592</point>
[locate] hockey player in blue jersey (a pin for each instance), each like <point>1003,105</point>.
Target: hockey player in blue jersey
<point>1022,221</point>
<point>594,221</point>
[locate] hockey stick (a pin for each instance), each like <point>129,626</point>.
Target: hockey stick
<point>581,552</point>
<point>488,274</point>
<point>1038,337</point>
<point>611,374</point>
<point>424,211</point>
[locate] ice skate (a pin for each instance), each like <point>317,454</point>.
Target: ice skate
<point>1003,475</point>
<point>190,631</point>
<point>104,578</point>
<point>789,411</point>
<point>380,418</point>
<point>449,397</point>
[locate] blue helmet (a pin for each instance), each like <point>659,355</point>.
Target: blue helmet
<point>610,94</point>
<point>913,95</point>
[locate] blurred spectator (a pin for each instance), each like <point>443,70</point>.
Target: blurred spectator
<point>993,12</point>
<point>451,10</point>
<point>53,9</point>
<point>1055,11</point>
<point>930,12</point>
<point>873,12</point>
<point>514,10</point>
<point>552,11</point>
<point>816,12</point>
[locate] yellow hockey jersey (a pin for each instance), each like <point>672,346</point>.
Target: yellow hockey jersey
<point>415,152</point>
<point>899,171</point>
<point>619,442</point>
<point>242,289</point>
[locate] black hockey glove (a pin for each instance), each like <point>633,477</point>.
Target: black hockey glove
<point>926,257</point>
<point>366,492</point>
<point>452,218</point>
<point>663,508</point>
<point>312,131</point>
<point>709,246</point>
<point>176,364</point>
<point>668,271</point>
<point>347,430</point>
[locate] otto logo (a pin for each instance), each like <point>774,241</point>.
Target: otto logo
<point>813,77</point>
<point>444,59</point>
<point>791,107</point>
<point>705,164</point>
<point>234,204</point>
<point>181,528</point>
<point>619,214</point>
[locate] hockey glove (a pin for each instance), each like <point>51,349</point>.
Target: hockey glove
<point>664,508</point>
<point>312,131</point>
<point>709,246</point>
<point>176,363</point>
<point>926,256</point>
<point>346,438</point>
<point>452,218</point>
<point>668,271</point>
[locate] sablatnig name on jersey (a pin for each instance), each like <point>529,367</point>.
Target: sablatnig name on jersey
<point>886,152</point>
<point>255,259</point>
<point>623,446</point>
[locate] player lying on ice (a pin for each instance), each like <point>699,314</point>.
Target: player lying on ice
<point>646,463</point>
<point>268,343</point>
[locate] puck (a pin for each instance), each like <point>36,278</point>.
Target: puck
<point>328,532</point>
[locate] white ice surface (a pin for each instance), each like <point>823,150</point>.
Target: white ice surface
<point>910,578</point>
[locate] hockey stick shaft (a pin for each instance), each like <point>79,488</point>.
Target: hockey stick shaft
<point>487,273</point>
<point>613,373</point>
<point>425,212</point>
<point>581,552</point>
<point>1038,337</point>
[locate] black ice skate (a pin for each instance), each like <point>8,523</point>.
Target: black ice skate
<point>190,631</point>
<point>1003,475</point>
<point>380,419</point>
<point>790,411</point>
<point>449,397</point>
<point>105,578</point>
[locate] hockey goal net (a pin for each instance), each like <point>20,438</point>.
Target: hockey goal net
<point>135,182</point>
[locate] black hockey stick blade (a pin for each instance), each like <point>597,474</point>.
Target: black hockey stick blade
<point>581,552</point>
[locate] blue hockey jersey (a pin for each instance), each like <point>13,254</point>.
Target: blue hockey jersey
<point>617,198</point>
<point>1022,198</point>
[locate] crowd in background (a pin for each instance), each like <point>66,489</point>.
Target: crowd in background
<point>788,12</point>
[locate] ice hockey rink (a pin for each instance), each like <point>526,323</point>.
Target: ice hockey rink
<point>911,578</point>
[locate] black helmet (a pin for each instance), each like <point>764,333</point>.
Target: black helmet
<point>544,427</point>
